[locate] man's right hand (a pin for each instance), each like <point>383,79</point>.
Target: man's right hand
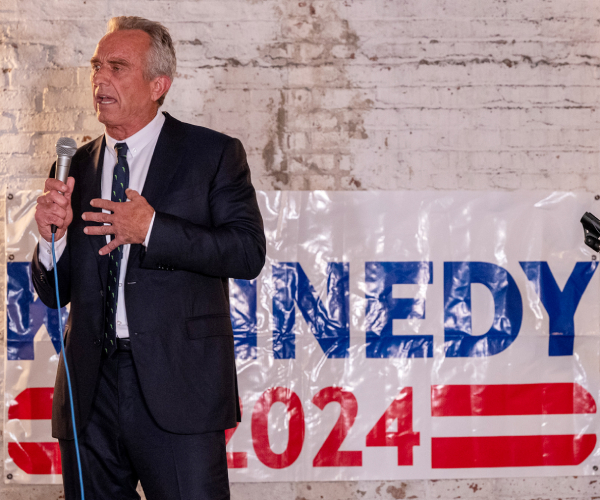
<point>54,208</point>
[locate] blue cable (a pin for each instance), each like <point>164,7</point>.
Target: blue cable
<point>62,346</point>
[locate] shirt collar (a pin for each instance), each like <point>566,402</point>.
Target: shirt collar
<point>140,139</point>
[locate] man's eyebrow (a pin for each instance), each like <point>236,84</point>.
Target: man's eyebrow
<point>120,62</point>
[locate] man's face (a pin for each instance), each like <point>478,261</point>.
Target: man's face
<point>123,98</point>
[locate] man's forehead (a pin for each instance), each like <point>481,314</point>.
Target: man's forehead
<point>123,42</point>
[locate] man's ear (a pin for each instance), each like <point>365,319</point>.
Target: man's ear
<point>160,86</point>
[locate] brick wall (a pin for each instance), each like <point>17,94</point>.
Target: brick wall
<point>337,94</point>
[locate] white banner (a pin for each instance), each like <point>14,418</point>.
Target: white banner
<point>391,335</point>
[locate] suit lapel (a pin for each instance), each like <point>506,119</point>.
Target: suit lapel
<point>166,159</point>
<point>92,188</point>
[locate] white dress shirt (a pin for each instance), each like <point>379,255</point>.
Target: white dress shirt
<point>140,148</point>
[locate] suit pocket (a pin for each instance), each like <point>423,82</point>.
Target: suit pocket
<point>209,325</point>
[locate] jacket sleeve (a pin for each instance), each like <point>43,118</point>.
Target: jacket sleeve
<point>234,246</point>
<point>43,280</point>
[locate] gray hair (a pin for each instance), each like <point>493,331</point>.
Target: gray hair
<point>161,56</point>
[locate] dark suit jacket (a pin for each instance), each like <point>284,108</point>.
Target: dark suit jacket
<point>207,229</point>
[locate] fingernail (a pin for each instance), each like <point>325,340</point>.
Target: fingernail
<point>83,216</point>
<point>85,230</point>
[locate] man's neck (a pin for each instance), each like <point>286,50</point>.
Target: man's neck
<point>123,132</point>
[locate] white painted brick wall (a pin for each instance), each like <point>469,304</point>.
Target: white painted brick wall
<point>337,94</point>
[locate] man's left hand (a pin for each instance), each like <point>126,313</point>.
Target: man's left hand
<point>129,221</point>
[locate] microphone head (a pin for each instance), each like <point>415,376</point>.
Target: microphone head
<point>66,146</point>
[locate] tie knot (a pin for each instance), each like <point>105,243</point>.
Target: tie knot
<point>121,149</point>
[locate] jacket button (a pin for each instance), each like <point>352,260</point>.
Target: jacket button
<point>97,342</point>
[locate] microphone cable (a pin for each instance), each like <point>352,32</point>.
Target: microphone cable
<point>62,346</point>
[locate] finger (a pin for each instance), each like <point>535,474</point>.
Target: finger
<point>97,217</point>
<point>98,230</point>
<point>105,204</point>
<point>44,200</point>
<point>54,209</point>
<point>49,219</point>
<point>50,209</point>
<point>70,187</point>
<point>58,198</point>
<point>55,185</point>
<point>132,194</point>
<point>106,249</point>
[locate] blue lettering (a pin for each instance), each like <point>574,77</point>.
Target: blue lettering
<point>560,306</point>
<point>328,321</point>
<point>242,295</point>
<point>508,309</point>
<point>382,309</point>
<point>25,316</point>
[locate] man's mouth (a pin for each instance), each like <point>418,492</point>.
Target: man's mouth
<point>105,99</point>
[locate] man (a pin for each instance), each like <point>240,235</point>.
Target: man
<point>155,218</point>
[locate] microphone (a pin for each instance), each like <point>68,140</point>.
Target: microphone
<point>65,150</point>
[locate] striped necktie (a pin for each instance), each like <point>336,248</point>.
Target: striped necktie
<point>120,182</point>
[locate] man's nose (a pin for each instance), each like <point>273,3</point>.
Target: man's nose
<point>101,76</point>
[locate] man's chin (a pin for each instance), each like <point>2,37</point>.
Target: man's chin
<point>105,117</point>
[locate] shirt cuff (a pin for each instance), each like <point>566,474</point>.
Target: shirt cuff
<point>147,240</point>
<point>45,251</point>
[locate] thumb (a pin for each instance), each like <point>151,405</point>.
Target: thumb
<point>70,187</point>
<point>132,194</point>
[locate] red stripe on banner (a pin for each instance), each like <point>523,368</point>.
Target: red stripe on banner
<point>510,451</point>
<point>34,403</point>
<point>513,399</point>
<point>36,458</point>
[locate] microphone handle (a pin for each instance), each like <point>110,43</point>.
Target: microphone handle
<point>63,164</point>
